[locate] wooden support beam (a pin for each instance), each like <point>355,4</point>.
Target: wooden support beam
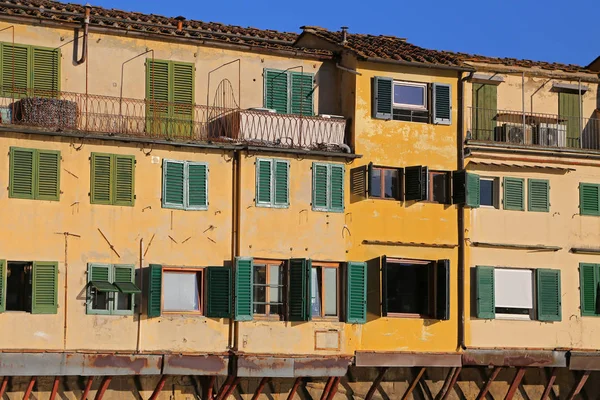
<point>158,388</point>
<point>414,384</point>
<point>29,388</point>
<point>452,382</point>
<point>548,388</point>
<point>577,388</point>
<point>88,387</point>
<point>229,391</point>
<point>446,384</point>
<point>260,388</point>
<point>327,388</point>
<point>297,383</point>
<point>334,388</point>
<point>228,382</point>
<point>3,386</point>
<point>515,383</point>
<point>488,384</point>
<point>103,386</point>
<point>209,389</point>
<point>376,383</point>
<point>54,388</point>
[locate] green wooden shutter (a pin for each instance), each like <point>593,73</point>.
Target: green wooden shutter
<point>465,188</point>
<point>264,181</point>
<point>218,292</point>
<point>2,285</point>
<point>336,186</point>
<point>45,71</point>
<point>282,185</point>
<point>548,295</point>
<point>154,290</point>
<point>182,97</point>
<point>539,195</point>
<point>197,189</point>
<point>158,96</point>
<point>301,97</point>
<point>442,276</point>
<point>47,182</point>
<point>124,180</point>
<point>473,190</point>
<point>356,293</point>
<point>569,110</point>
<point>416,183</point>
<point>320,185</point>
<point>22,173</point>
<point>45,288</point>
<point>485,99</point>
<point>442,104</point>
<point>124,279</point>
<point>359,189</point>
<point>382,97</point>
<point>486,304</point>
<point>173,184</point>
<point>101,179</point>
<point>276,91</point>
<point>20,64</point>
<point>514,196</point>
<point>299,291</point>
<point>588,288</point>
<point>100,277</point>
<point>589,199</point>
<point>244,290</point>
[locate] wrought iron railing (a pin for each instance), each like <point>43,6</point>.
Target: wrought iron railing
<point>534,129</point>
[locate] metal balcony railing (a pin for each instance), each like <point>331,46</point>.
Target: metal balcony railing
<point>534,129</point>
<point>115,116</point>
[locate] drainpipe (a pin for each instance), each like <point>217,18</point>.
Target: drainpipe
<point>580,114</point>
<point>86,25</point>
<point>523,103</point>
<point>235,238</point>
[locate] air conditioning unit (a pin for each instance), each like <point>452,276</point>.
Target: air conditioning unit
<point>553,135</point>
<point>516,133</point>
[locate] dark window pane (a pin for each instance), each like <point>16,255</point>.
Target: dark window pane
<point>486,192</point>
<point>408,289</point>
<point>99,300</point>
<point>440,188</point>
<point>260,290</point>
<point>410,95</point>
<point>375,188</point>
<point>391,182</point>
<point>123,301</point>
<point>315,290</point>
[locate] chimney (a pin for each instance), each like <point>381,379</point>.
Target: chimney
<point>344,35</point>
<point>180,20</point>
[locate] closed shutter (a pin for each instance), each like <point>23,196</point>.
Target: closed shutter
<point>299,290</point>
<point>548,295</point>
<point>101,179</point>
<point>45,71</point>
<point>276,91</point>
<point>47,185</point>
<point>2,285</point>
<point>442,276</point>
<point>182,97</point>
<point>22,171</point>
<point>15,58</point>
<point>264,182</point>
<point>281,180</point>
<point>569,111</point>
<point>473,190</point>
<point>197,190</point>
<point>485,99</point>
<point>319,195</point>
<point>382,97</point>
<point>45,288</point>
<point>336,186</point>
<point>539,195</point>
<point>486,304</point>
<point>124,180</point>
<point>218,292</point>
<point>384,286</point>
<point>157,94</point>
<point>589,199</point>
<point>356,308</point>
<point>154,290</point>
<point>301,97</point>
<point>442,104</point>
<point>244,291</point>
<point>588,287</point>
<point>514,196</point>
<point>173,184</point>
<point>416,183</point>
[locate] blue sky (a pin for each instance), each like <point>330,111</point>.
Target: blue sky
<point>548,30</point>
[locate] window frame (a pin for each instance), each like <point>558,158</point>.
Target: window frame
<point>329,207</point>
<point>430,182</point>
<point>273,183</point>
<point>320,266</point>
<point>35,174</point>
<point>289,75</point>
<point>382,169</point>
<point>283,284</point>
<point>596,186</point>
<point>431,287</point>
<point>531,316</point>
<point>496,192</point>
<point>199,275</point>
<point>112,297</point>
<point>186,189</point>
<point>404,106</point>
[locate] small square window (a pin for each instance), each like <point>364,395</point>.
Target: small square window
<point>439,187</point>
<point>488,192</point>
<point>182,291</point>
<point>410,95</point>
<point>385,183</point>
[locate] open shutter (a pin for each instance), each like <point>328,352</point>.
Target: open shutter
<point>336,187</point>
<point>101,179</point>
<point>276,91</point>
<point>539,195</point>
<point>299,290</point>
<point>486,303</point>
<point>358,183</point>
<point>416,183</point>
<point>264,181</point>
<point>514,196</point>
<point>589,199</point>
<point>465,188</point>
<point>442,275</point>
<point>384,284</point>
<point>45,288</point>
<point>320,178</point>
<point>281,180</point>
<point>301,98</point>
<point>548,294</point>
<point>218,292</point>
<point>382,97</point>
<point>124,279</point>
<point>22,173</point>
<point>100,277</point>
<point>197,181</point>
<point>442,104</point>
<point>2,285</point>
<point>15,58</point>
<point>356,293</point>
<point>154,290</point>
<point>173,184</point>
<point>47,182</point>
<point>45,71</point>
<point>588,288</point>
<point>124,180</point>
<point>244,290</point>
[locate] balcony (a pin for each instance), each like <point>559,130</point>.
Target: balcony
<point>533,129</point>
<point>126,117</point>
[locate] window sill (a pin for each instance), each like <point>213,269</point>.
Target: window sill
<point>410,316</point>
<point>267,318</point>
<point>325,319</point>
<point>271,206</point>
<point>383,198</point>
<point>198,313</point>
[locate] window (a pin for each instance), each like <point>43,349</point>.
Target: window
<point>34,174</point>
<point>288,92</point>
<point>111,289</point>
<point>269,286</point>
<point>112,179</point>
<point>35,67</point>
<point>513,290</point>
<point>514,194</point>
<point>589,199</point>
<point>182,290</point>
<point>272,183</point>
<point>410,95</point>
<point>488,192</point>
<point>324,290</point>
<point>328,187</point>
<point>589,282</point>
<point>185,185</point>
<point>539,195</point>
<point>385,183</point>
<point>29,286</point>
<point>439,187</point>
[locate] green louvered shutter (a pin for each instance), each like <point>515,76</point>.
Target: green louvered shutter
<point>336,187</point>
<point>47,183</point>
<point>21,69</point>
<point>154,290</point>
<point>548,295</point>
<point>473,190</point>
<point>416,183</point>
<point>124,274</point>
<point>276,91</point>
<point>485,99</point>
<point>589,199</point>
<point>218,292</point>
<point>197,190</point>
<point>46,71</point>
<point>157,96</point>
<point>2,285</point>
<point>22,173</point>
<point>244,291</point>
<point>486,304</point>
<point>101,179</point>
<point>514,194</point>
<point>465,188</point>
<point>320,186</point>
<point>45,288</point>
<point>569,108</point>
<point>539,195</point>
<point>173,184</point>
<point>299,307</point>
<point>382,97</point>
<point>301,100</point>
<point>442,298</point>
<point>356,307</point>
<point>182,97</point>
<point>442,104</point>
<point>124,180</point>
<point>588,287</point>
<point>264,181</point>
<point>281,180</point>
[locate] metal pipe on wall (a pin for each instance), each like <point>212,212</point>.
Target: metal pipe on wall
<point>523,99</point>
<point>86,27</point>
<point>580,114</point>
<point>139,324</point>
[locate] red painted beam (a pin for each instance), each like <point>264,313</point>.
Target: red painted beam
<point>486,388</point>
<point>577,388</point>
<point>452,382</point>
<point>515,383</point>
<point>297,383</point>
<point>414,384</point>
<point>103,386</point>
<point>334,388</point>
<point>548,388</point>
<point>29,388</point>
<point>327,388</point>
<point>54,388</point>
<point>376,383</point>
<point>3,386</point>
<point>260,388</point>
<point>229,391</point>
<point>225,388</point>
<point>158,388</point>
<point>88,387</point>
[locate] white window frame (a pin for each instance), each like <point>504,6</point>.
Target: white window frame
<point>273,185</point>
<point>496,195</point>
<point>201,287</point>
<point>519,317</point>
<point>186,189</point>
<point>424,107</point>
<point>112,297</point>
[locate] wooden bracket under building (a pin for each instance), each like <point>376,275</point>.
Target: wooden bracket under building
<point>260,388</point>
<point>327,388</point>
<point>88,387</point>
<point>550,383</point>
<point>376,383</point>
<point>103,387</point>
<point>486,388</point>
<point>159,387</point>
<point>29,388</point>
<point>577,388</point>
<point>295,387</point>
<point>3,386</point>
<point>414,384</point>
<point>334,388</point>
<point>54,388</point>
<point>452,382</point>
<point>515,383</point>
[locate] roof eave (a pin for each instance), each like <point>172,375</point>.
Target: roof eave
<point>419,64</point>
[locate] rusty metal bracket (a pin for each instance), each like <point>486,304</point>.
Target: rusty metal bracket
<point>103,387</point>
<point>109,243</point>
<point>376,383</point>
<point>260,388</point>
<point>327,388</point>
<point>486,388</point>
<point>225,387</point>
<point>229,391</point>
<point>577,388</point>
<point>446,384</point>
<point>54,388</point>
<point>334,388</point>
<point>515,383</point>
<point>295,387</point>
<point>3,386</point>
<point>29,388</point>
<point>88,387</point>
<point>149,244</point>
<point>158,388</point>
<point>452,382</point>
<point>414,383</point>
<point>548,387</point>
